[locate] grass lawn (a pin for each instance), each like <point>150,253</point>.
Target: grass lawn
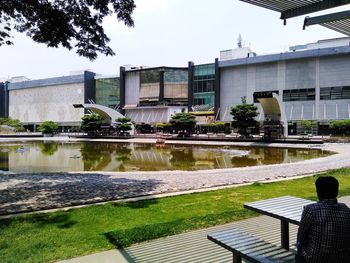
<point>60,235</point>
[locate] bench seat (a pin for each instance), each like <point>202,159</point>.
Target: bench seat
<point>244,245</point>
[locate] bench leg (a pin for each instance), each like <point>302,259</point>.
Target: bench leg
<point>237,258</point>
<point>285,235</point>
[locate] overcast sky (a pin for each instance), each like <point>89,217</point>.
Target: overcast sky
<point>168,33</point>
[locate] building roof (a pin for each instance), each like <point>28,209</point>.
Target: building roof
<point>47,82</point>
<point>289,9</point>
<point>321,52</point>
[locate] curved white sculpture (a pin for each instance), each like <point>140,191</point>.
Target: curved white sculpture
<point>106,113</point>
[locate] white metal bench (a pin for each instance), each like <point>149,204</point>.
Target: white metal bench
<point>253,249</point>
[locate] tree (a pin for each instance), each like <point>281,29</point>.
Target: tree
<point>68,23</point>
<point>183,123</point>
<point>244,116</point>
<point>91,123</point>
<point>16,124</point>
<point>340,127</point>
<point>124,125</point>
<point>307,125</point>
<point>48,127</point>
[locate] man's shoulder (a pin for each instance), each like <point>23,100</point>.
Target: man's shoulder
<point>324,205</point>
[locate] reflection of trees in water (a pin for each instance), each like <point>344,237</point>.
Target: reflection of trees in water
<point>123,154</point>
<point>182,159</point>
<point>96,156</point>
<point>272,156</point>
<point>242,161</point>
<point>48,148</point>
<point>4,160</point>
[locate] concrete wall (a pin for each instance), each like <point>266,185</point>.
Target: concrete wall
<point>152,114</point>
<point>38,104</point>
<point>301,73</point>
<point>132,91</point>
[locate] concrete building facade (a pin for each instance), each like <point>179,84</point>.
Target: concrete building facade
<point>36,101</point>
<point>310,82</point>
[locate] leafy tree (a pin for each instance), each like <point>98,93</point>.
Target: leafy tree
<point>244,116</point>
<point>183,123</point>
<point>124,125</point>
<point>68,23</point>
<point>48,127</point>
<point>307,125</point>
<point>91,123</point>
<point>12,123</point>
<point>163,126</point>
<point>340,127</point>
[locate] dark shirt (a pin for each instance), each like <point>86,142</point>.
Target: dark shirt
<point>324,232</point>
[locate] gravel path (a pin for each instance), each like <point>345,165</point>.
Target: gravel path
<point>30,192</point>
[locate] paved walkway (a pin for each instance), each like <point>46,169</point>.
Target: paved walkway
<point>41,191</point>
<point>192,246</point>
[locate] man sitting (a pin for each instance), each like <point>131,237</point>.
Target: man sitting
<point>324,231</point>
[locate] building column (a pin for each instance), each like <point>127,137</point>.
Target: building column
<point>122,89</point>
<point>217,88</point>
<point>190,85</point>
<point>161,86</point>
<point>89,87</point>
<point>317,89</point>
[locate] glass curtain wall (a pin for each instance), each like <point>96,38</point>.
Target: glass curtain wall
<point>175,86</point>
<point>108,92</point>
<point>204,86</point>
<point>149,87</point>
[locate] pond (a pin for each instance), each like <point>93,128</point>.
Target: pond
<point>52,156</point>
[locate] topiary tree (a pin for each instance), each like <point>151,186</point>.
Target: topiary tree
<point>183,123</point>
<point>91,123</point>
<point>244,116</point>
<point>123,126</point>
<point>48,127</point>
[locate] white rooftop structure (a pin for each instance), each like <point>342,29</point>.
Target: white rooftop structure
<point>236,53</point>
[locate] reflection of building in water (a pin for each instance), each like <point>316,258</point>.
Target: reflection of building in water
<point>22,159</point>
<point>210,158</point>
<point>154,159</point>
<point>4,159</point>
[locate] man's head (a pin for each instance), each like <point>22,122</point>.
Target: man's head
<point>327,187</point>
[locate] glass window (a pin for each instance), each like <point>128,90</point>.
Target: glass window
<point>299,95</point>
<point>335,93</point>
<point>108,92</point>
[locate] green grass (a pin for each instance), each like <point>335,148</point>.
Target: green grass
<point>54,236</point>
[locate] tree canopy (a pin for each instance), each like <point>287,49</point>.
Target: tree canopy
<point>244,116</point>
<point>183,123</point>
<point>91,123</point>
<point>70,23</point>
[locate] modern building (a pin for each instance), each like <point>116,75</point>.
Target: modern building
<point>309,82</point>
<point>151,95</point>
<point>35,101</point>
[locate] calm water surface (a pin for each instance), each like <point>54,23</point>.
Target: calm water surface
<point>89,156</point>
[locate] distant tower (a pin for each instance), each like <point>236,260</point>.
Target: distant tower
<point>239,41</point>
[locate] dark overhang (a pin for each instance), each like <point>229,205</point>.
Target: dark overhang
<point>160,68</point>
<point>339,22</point>
<point>289,9</point>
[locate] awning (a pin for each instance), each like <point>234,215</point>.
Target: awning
<point>339,22</point>
<point>293,8</point>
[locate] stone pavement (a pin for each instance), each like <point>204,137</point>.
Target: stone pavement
<point>40,191</point>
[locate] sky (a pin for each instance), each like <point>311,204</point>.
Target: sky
<point>168,33</point>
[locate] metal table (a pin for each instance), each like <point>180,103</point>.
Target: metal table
<point>288,209</point>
